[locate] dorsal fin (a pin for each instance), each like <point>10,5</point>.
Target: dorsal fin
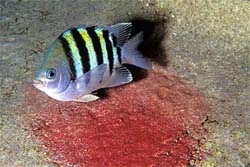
<point>121,31</point>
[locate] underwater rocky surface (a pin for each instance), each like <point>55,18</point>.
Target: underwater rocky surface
<point>206,47</point>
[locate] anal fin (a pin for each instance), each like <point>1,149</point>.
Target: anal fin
<point>120,76</point>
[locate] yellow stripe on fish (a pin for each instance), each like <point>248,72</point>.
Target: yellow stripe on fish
<point>75,53</point>
<point>103,47</point>
<point>89,46</point>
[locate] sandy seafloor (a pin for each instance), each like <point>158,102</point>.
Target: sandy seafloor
<point>208,43</point>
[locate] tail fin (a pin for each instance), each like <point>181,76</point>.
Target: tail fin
<point>131,55</point>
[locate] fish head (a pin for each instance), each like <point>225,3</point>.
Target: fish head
<point>53,76</point>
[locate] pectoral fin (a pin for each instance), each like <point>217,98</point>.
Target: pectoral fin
<point>120,76</point>
<point>91,80</point>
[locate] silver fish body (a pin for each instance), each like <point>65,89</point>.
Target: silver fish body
<point>84,59</point>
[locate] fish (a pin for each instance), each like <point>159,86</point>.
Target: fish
<point>84,59</point>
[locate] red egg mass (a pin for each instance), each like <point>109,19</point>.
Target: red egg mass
<point>152,122</point>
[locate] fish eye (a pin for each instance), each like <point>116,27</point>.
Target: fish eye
<point>51,73</point>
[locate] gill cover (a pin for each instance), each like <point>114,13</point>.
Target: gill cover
<point>53,71</point>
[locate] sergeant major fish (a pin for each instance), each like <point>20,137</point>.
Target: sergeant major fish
<point>86,58</point>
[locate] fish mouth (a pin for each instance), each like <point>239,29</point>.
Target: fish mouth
<point>38,84</point>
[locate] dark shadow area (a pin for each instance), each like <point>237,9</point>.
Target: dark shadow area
<point>154,33</point>
<point>136,72</point>
<point>102,93</point>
